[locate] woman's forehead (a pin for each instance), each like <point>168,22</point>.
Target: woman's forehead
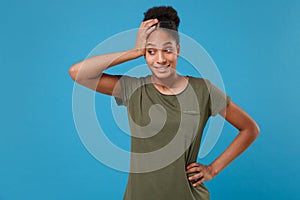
<point>160,38</point>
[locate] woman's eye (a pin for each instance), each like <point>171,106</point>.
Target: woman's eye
<point>169,50</point>
<point>151,52</point>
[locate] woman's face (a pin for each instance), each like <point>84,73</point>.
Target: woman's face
<point>161,53</point>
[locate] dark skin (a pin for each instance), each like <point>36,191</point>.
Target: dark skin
<point>248,131</point>
<point>169,82</point>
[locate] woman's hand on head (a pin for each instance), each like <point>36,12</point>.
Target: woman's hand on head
<point>199,173</point>
<point>145,29</point>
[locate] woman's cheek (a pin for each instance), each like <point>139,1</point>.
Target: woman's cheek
<point>150,59</point>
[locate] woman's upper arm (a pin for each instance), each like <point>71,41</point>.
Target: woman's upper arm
<point>109,84</point>
<point>106,84</point>
<point>239,118</point>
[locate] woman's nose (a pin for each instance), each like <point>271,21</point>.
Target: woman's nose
<point>161,57</point>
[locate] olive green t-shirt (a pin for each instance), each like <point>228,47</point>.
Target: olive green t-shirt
<point>166,132</point>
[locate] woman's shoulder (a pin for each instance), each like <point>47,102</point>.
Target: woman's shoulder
<point>199,81</point>
<point>134,81</point>
<point>135,78</point>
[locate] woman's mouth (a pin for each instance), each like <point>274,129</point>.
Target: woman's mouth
<point>161,68</point>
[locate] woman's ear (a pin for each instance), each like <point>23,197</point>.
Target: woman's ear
<point>178,50</point>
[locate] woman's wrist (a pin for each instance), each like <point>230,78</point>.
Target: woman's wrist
<point>213,169</point>
<point>138,52</point>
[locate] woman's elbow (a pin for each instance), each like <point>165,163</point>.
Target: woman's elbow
<point>73,72</point>
<point>255,130</point>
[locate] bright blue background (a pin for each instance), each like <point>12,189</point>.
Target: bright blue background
<point>254,43</point>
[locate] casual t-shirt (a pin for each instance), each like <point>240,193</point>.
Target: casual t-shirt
<point>166,132</point>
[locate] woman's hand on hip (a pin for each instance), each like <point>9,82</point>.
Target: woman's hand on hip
<point>199,173</point>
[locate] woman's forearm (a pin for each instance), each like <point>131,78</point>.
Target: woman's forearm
<point>94,66</point>
<point>238,145</point>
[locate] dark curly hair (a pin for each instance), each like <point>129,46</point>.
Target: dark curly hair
<point>167,17</point>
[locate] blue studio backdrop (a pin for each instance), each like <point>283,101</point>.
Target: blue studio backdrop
<point>255,45</point>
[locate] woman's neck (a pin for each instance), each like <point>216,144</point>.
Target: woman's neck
<point>169,82</point>
<point>172,84</point>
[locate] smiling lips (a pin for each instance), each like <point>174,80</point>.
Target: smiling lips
<point>161,68</point>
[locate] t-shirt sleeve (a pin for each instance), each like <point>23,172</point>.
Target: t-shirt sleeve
<point>218,99</point>
<point>128,86</point>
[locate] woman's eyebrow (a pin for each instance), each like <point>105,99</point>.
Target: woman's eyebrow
<point>167,43</point>
<point>164,44</point>
<point>150,44</point>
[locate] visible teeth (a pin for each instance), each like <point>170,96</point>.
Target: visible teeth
<point>161,67</point>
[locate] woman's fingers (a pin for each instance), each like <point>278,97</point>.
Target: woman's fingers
<point>201,173</point>
<point>149,30</point>
<point>192,165</point>
<point>193,169</point>
<point>196,176</point>
<point>145,29</point>
<point>199,182</point>
<point>149,23</point>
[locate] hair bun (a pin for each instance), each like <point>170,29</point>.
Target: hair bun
<point>163,14</point>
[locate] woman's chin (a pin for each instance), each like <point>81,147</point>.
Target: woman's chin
<point>161,75</point>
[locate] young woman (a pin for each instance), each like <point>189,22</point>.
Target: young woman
<point>167,113</point>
